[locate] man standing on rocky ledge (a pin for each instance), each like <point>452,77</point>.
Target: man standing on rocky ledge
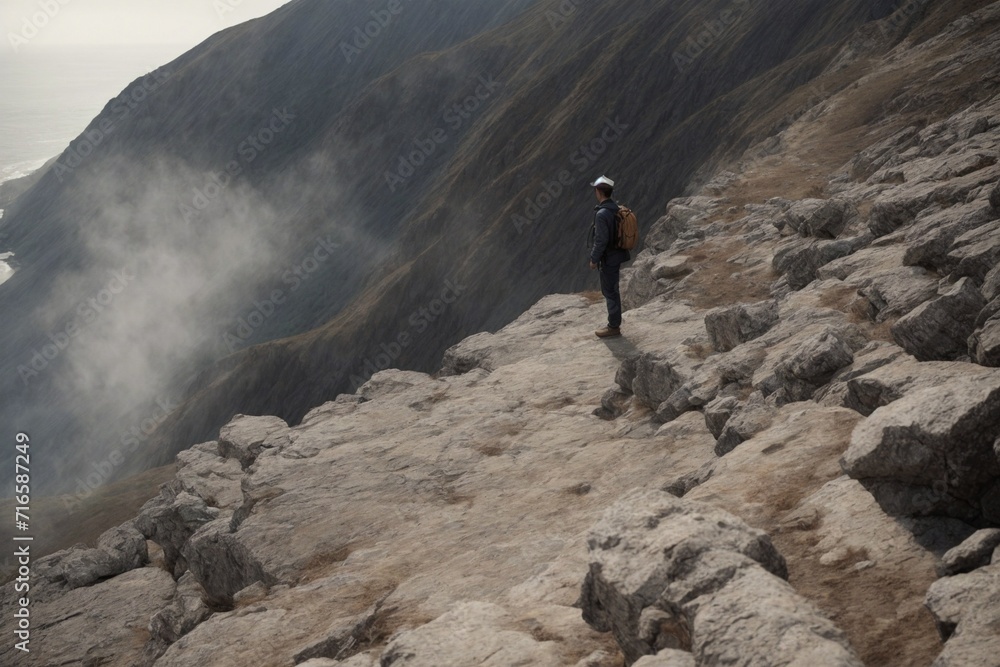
<point>606,256</point>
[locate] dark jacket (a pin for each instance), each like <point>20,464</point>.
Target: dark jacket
<point>604,251</point>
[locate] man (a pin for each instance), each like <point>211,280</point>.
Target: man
<point>606,256</point>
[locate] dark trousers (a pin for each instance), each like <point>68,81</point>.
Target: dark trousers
<point>609,288</point>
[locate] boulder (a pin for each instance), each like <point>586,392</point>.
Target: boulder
<point>940,329</point>
<point>813,364</point>
<point>972,554</point>
<point>184,614</point>
<point>170,520</point>
<point>976,253</point>
<point>931,452</point>
<point>820,218</point>
<point>118,550</point>
<point>800,261</point>
<point>967,610</point>
<point>651,378</point>
<point>984,343</point>
<point>731,326</point>
<point>221,563</point>
<point>890,382</point>
<point>244,437</point>
<point>896,292</point>
<point>213,478</point>
<point>750,419</point>
<point>718,412</point>
<point>667,573</point>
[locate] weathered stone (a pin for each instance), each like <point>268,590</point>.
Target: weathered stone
<point>821,218</point>
<point>812,365</point>
<point>655,380</point>
<point>870,358</point>
<point>215,479</point>
<point>929,240</point>
<point>800,261</point>
<point>890,382</point>
<point>995,198</point>
<point>931,452</point>
<point>896,292</point>
<point>940,329</point>
<point>984,343</point>
<point>975,552</point>
<point>244,437</point>
<point>170,520</point>
<point>976,252</point>
<point>967,610</point>
<point>118,550</point>
<point>672,267</point>
<point>93,625</point>
<point>221,563</point>
<point>344,637</point>
<point>185,613</point>
<point>734,325</point>
<point>668,573</point>
<point>474,633</point>
<point>667,658</point>
<point>718,412</point>
<point>750,419</point>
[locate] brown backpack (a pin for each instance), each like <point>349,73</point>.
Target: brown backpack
<point>626,229</point>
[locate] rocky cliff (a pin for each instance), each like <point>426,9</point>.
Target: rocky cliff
<point>791,458</point>
<point>292,193</point>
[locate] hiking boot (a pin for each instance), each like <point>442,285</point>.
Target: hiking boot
<point>608,332</point>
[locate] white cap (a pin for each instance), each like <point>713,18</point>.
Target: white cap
<point>603,180</point>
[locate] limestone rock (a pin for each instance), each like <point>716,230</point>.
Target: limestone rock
<point>967,610</point>
<point>972,554</point>
<point>94,625</point>
<point>734,325</point>
<point>931,452</point>
<point>976,252</point>
<point>812,365</point>
<point>655,379</point>
<point>984,343</point>
<point>755,416</point>
<point>800,261</point>
<point>940,329</point>
<point>118,550</point>
<point>170,519</point>
<point>668,573</point>
<point>216,480</point>
<point>718,412</point>
<point>474,633</point>
<point>890,382</point>
<point>221,563</point>
<point>244,437</point>
<point>185,613</point>
<point>667,658</point>
<point>820,218</point>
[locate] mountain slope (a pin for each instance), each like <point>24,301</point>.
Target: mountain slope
<point>311,217</point>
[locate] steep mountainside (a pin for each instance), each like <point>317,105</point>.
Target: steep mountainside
<point>791,458</point>
<point>294,180</point>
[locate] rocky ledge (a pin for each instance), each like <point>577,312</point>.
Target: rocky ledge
<point>791,458</point>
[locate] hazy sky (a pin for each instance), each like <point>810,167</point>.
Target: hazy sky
<point>111,22</point>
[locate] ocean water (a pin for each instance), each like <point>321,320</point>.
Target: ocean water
<point>48,95</point>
